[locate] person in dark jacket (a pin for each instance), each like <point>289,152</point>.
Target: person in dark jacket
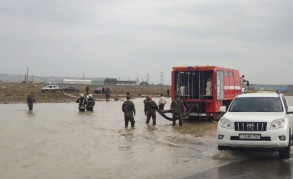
<point>144,103</point>
<point>129,111</point>
<point>107,95</point>
<point>90,103</point>
<point>81,103</point>
<point>30,100</point>
<point>177,108</point>
<point>150,107</point>
<point>87,89</point>
<point>168,93</point>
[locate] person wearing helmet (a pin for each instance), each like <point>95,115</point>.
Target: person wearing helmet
<point>81,103</point>
<point>129,111</point>
<point>90,103</point>
<point>151,108</point>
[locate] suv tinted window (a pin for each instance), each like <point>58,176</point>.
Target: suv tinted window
<point>256,104</point>
<point>285,103</point>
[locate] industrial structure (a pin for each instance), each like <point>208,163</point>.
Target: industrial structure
<point>114,81</point>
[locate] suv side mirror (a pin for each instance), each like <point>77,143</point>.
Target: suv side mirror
<point>223,109</point>
<point>290,110</point>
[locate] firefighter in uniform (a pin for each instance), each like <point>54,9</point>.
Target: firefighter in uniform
<point>150,107</point>
<point>30,100</point>
<point>129,111</point>
<point>90,103</point>
<point>81,103</point>
<point>177,108</point>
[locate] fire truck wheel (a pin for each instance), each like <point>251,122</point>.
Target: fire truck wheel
<point>217,116</point>
<point>210,118</point>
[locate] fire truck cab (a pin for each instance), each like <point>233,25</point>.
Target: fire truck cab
<point>204,89</point>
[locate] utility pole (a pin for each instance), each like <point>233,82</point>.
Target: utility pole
<point>27,75</point>
<point>162,78</point>
<point>137,80</point>
<point>147,77</point>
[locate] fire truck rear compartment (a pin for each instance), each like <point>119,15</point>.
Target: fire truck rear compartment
<point>193,84</point>
<point>196,109</point>
<point>204,89</point>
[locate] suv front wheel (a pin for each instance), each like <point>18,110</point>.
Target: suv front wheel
<point>284,153</point>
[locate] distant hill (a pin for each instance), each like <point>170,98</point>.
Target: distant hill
<point>11,78</point>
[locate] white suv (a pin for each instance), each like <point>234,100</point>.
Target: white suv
<point>50,88</point>
<point>257,120</point>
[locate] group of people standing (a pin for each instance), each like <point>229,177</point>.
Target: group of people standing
<point>86,103</point>
<point>150,109</point>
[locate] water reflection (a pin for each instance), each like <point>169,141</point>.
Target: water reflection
<point>30,113</point>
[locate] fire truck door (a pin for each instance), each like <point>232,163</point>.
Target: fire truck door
<point>220,85</point>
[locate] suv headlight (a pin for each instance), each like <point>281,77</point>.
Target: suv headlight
<point>278,123</point>
<point>225,123</point>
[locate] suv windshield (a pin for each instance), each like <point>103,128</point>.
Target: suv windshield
<point>256,104</point>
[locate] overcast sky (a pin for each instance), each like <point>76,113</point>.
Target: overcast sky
<point>128,39</point>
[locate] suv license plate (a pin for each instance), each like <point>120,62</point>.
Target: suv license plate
<point>249,136</point>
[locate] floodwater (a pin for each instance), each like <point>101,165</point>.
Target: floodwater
<point>57,141</point>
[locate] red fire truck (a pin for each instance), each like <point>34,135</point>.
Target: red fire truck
<point>204,89</point>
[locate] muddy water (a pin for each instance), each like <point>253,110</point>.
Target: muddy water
<point>56,141</point>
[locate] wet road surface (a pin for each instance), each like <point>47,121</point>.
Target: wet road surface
<point>56,141</point>
<point>267,168</point>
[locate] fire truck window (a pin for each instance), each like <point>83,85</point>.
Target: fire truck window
<point>226,73</point>
<point>230,73</point>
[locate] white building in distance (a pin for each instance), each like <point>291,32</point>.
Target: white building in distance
<point>77,81</point>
